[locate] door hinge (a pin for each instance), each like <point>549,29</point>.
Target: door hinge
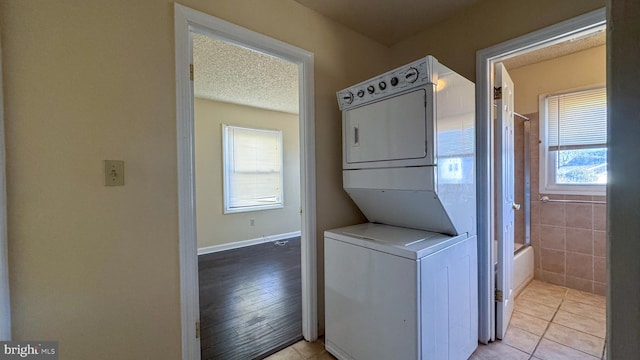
<point>497,93</point>
<point>191,72</point>
<point>198,330</point>
<point>498,295</point>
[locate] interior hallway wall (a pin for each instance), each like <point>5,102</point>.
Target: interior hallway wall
<point>568,239</point>
<point>96,267</point>
<point>215,227</point>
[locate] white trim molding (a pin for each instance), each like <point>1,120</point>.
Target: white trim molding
<point>244,243</point>
<point>186,22</point>
<point>5,304</point>
<point>485,59</point>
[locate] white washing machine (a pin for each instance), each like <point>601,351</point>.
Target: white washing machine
<point>399,293</point>
<point>407,289</point>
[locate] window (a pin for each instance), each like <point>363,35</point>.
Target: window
<point>456,147</point>
<point>252,169</point>
<point>573,153</point>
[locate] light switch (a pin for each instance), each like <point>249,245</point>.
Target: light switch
<point>113,173</point>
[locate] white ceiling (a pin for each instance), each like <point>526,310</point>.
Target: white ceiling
<point>387,21</point>
<point>230,73</point>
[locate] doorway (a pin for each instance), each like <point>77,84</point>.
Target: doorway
<point>189,21</point>
<point>5,308</point>
<point>247,167</point>
<point>487,182</point>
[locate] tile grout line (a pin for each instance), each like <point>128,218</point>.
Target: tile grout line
<point>549,324</point>
<point>564,297</point>
<point>578,350</point>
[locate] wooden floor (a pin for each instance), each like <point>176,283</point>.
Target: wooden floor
<point>250,301</point>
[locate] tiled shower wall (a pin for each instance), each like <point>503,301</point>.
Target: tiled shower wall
<point>568,238</point>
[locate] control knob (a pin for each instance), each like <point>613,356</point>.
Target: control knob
<point>360,93</point>
<point>371,89</point>
<point>382,85</point>
<point>348,97</point>
<point>411,75</point>
<point>394,81</point>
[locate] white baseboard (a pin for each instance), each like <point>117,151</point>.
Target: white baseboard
<point>239,244</point>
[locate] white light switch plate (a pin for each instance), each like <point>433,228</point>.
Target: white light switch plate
<point>114,173</point>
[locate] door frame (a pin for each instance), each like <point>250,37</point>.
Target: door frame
<point>5,303</point>
<point>485,59</point>
<point>186,21</point>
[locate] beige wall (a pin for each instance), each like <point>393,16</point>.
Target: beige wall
<point>96,267</point>
<point>582,69</point>
<point>456,40</point>
<point>568,239</point>
<point>215,227</point>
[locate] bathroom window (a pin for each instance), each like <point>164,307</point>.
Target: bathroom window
<point>252,167</point>
<point>573,152</point>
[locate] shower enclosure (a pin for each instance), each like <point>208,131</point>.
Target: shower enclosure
<point>523,261</point>
<point>522,236</point>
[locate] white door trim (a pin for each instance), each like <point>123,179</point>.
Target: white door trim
<point>187,20</point>
<point>485,59</point>
<point>5,305</point>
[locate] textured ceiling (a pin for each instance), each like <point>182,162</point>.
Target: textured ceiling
<point>387,21</point>
<point>230,73</point>
<point>570,46</point>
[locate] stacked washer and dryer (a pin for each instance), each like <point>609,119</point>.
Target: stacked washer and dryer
<point>404,285</point>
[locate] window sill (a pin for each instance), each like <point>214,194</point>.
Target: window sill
<point>253,208</point>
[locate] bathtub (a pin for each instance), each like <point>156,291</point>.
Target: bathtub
<point>522,267</point>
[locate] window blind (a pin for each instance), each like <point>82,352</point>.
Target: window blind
<point>577,120</point>
<point>254,167</point>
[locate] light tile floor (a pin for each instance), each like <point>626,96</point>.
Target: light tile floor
<point>303,350</point>
<point>549,322</point>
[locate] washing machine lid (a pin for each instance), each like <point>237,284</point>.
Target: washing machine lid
<point>400,241</point>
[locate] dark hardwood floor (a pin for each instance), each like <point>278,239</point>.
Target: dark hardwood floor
<point>250,300</point>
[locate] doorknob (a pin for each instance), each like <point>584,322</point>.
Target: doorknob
<point>515,206</point>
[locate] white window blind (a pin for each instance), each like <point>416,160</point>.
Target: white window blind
<point>252,169</point>
<point>573,130</point>
<point>577,120</point>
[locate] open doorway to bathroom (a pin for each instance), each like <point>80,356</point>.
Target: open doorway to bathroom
<point>556,263</point>
<point>560,159</point>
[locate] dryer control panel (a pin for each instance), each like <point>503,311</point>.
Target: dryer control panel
<point>417,73</point>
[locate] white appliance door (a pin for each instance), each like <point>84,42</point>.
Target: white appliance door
<point>449,300</point>
<point>371,301</point>
<point>505,199</point>
<point>387,130</point>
